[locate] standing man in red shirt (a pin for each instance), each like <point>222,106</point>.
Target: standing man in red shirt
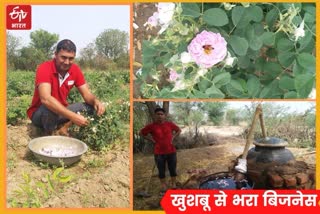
<point>162,133</point>
<point>54,80</point>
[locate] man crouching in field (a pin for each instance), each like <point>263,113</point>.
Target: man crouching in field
<point>54,80</point>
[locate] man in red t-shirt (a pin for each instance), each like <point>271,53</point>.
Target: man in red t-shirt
<point>53,82</point>
<point>162,133</point>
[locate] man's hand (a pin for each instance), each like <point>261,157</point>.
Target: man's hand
<point>80,120</point>
<point>99,107</point>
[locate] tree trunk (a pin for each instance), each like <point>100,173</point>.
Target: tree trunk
<point>166,106</point>
<point>152,106</point>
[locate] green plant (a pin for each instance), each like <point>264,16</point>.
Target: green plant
<point>11,161</point>
<point>16,109</point>
<point>34,194</point>
<point>224,50</point>
<point>95,162</point>
<point>105,129</point>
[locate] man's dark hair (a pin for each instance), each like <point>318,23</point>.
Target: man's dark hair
<point>66,45</point>
<point>159,109</point>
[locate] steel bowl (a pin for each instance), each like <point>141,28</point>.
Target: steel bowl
<point>57,149</point>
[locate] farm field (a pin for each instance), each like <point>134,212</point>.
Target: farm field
<point>100,179</point>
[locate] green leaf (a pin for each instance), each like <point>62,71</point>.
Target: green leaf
<point>65,179</point>
<point>289,5</point>
<point>234,89</point>
<point>290,95</point>
<point>148,49</point>
<point>309,8</point>
<point>215,17</point>
<point>204,84</point>
<point>268,38</point>
<point>271,18</point>
<point>255,43</point>
<point>304,84</point>
<point>254,86</point>
<point>243,61</point>
<point>255,13</point>
<point>237,14</point>
<point>285,44</point>
<point>50,184</point>
<point>310,18</point>
<point>297,69</point>
<point>214,92</point>
<point>190,9</point>
<point>57,173</point>
<point>238,44</point>
<point>286,83</point>
<point>272,69</point>
<point>306,60</point>
<point>286,58</point>
<point>258,29</point>
<point>270,90</point>
<point>240,17</point>
<point>306,41</point>
<point>221,79</point>
<point>198,94</point>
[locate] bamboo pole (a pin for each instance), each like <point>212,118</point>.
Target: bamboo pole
<point>250,134</point>
<point>262,124</point>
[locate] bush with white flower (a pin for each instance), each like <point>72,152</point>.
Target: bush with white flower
<point>112,89</point>
<point>108,128</point>
<point>229,50</point>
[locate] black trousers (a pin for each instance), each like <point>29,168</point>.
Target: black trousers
<point>163,160</point>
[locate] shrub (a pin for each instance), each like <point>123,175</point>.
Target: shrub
<point>224,50</point>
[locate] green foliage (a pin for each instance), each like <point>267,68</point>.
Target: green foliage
<point>271,58</point>
<point>112,88</point>
<point>215,111</point>
<point>43,41</point>
<point>16,110</point>
<point>32,194</point>
<point>295,127</point>
<point>106,129</point>
<point>29,58</point>
<point>232,117</point>
<point>20,83</point>
<point>111,52</point>
<point>20,86</point>
<point>112,43</point>
<point>12,49</point>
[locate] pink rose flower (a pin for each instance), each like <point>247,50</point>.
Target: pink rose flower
<point>173,75</point>
<point>153,20</point>
<point>208,49</point>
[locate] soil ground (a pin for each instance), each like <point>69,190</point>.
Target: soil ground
<point>227,146</point>
<point>99,179</point>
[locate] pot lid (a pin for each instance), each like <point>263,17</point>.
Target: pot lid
<point>271,142</point>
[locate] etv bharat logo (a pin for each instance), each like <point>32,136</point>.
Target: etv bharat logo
<point>18,17</point>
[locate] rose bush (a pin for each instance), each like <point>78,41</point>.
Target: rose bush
<point>224,50</point>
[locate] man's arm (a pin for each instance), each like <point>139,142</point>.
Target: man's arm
<point>176,133</point>
<point>54,105</point>
<point>175,130</point>
<point>147,137</point>
<point>91,99</point>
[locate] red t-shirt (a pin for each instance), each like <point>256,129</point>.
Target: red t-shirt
<point>47,73</point>
<point>162,134</point>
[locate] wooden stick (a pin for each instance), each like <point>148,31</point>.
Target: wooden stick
<point>250,134</point>
<point>262,124</point>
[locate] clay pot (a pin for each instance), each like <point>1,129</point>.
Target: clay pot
<point>270,150</point>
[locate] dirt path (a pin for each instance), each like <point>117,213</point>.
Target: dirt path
<point>100,179</point>
<point>216,158</point>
